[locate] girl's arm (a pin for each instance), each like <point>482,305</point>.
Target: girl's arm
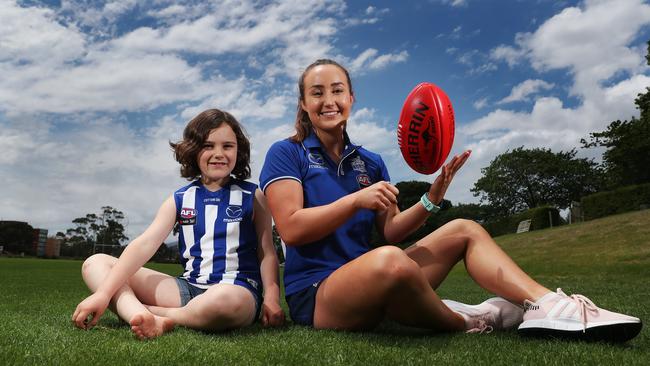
<point>396,225</point>
<point>272,314</point>
<point>135,255</point>
<point>298,225</point>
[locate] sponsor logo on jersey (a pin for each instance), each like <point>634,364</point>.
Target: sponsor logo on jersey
<point>211,199</point>
<point>358,165</point>
<point>234,214</point>
<point>316,161</point>
<point>363,180</point>
<point>233,211</point>
<point>188,216</point>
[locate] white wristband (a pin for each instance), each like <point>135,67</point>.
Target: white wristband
<point>428,205</point>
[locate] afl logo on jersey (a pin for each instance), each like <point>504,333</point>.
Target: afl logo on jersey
<point>363,180</point>
<point>234,214</point>
<point>188,216</point>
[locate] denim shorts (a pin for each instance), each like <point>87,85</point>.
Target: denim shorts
<point>302,305</point>
<point>189,291</point>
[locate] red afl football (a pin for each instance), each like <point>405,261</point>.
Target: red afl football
<point>425,131</point>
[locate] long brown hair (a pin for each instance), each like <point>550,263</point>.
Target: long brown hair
<point>303,123</point>
<point>196,132</point>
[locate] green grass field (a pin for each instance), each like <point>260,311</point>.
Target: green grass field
<point>607,260</point>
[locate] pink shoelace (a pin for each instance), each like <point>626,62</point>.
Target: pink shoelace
<point>584,304</point>
<point>481,327</point>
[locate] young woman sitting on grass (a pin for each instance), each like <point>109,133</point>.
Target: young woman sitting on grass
<point>326,193</point>
<point>225,244</point>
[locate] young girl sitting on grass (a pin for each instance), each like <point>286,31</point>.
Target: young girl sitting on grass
<point>225,245</point>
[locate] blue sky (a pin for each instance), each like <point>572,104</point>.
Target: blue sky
<point>91,92</point>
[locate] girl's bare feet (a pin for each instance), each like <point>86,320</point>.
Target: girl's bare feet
<point>147,325</point>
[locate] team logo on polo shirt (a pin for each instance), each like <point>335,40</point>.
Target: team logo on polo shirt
<point>358,165</point>
<point>316,160</point>
<point>234,214</point>
<point>364,180</point>
<point>188,216</point>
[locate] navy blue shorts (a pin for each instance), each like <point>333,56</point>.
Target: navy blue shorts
<point>302,305</point>
<point>189,291</point>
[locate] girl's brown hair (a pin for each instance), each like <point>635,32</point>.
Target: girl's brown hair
<point>303,123</point>
<point>187,150</point>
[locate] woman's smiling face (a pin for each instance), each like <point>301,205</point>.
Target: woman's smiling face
<point>328,100</point>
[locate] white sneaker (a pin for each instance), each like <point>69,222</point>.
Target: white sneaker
<point>492,314</point>
<point>576,317</point>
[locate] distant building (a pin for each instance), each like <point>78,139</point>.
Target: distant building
<point>38,244</point>
<point>20,238</point>
<point>52,248</point>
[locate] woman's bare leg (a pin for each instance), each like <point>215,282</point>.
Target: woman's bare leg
<point>384,282</point>
<point>486,263</point>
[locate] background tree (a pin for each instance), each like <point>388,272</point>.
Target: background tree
<point>527,178</point>
<point>103,232</point>
<point>166,254</point>
<point>110,227</point>
<point>16,237</point>
<point>627,155</point>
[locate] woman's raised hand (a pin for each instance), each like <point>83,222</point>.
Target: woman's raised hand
<point>441,183</point>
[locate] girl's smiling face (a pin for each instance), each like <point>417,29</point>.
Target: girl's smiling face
<point>327,100</point>
<point>218,156</point>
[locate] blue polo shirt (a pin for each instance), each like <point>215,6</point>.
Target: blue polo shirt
<point>324,181</point>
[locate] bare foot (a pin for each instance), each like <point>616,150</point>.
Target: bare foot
<point>146,325</point>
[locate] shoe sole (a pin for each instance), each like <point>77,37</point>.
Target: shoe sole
<point>613,333</point>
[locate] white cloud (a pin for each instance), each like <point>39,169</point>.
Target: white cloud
<point>29,35</point>
<point>511,55</point>
<point>71,76</point>
<point>476,61</point>
<point>68,75</point>
<point>593,43</point>
<point>99,17</point>
<point>63,95</point>
<point>369,59</point>
<point>451,50</point>
<point>106,82</point>
<point>453,3</point>
<point>523,90</point>
<point>590,41</point>
<point>481,103</point>
<point>365,129</point>
<point>384,60</point>
<point>168,12</point>
<point>456,33</point>
<point>79,170</point>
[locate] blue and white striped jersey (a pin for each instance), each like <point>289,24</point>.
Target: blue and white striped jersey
<point>217,238</point>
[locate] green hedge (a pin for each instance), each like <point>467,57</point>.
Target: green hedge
<point>539,220</point>
<point>621,200</point>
